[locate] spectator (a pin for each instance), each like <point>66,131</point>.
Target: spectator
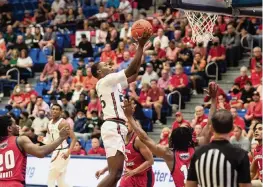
<point>132,49</point>
<point>54,89</point>
<point>187,40</point>
<point>93,125</point>
<point>172,52</point>
<point>29,37</point>
<point>70,16</point>
<point>96,149</point>
<point>200,117</point>
<point>78,79</point>
<point>40,123</point>
<point>179,120</point>
<point>149,74</point>
<point>198,73</point>
<point>101,34</point>
<point>156,62</point>
<point>80,124</point>
<point>78,150</point>
<point>164,137</point>
<point>239,140</point>
<point>133,92</point>
<point>31,104</point>
<point>28,92</point>
<point>201,50</point>
<point>257,58</point>
<point>24,120</point>
<point>65,64</point>
<point>60,18</point>
<point>155,98</point>
<point>243,78</point>
<point>237,120</point>
<point>161,38</point>
<point>164,81</point>
<point>84,48</point>
<point>94,105</point>
<point>68,119</point>
<point>37,37</point>
<point>65,79</point>
<point>235,94</point>
<point>197,131</point>
<point>247,94</point>
<point>49,38</point>
<point>82,103</point>
<point>90,81</point>
<point>102,15</point>
<point>10,37</point>
<point>156,26</point>
<point>207,98</point>
<point>120,51</point>
<point>68,106</point>
<point>144,94</point>
<point>20,44</point>
<point>161,54</point>
<point>113,38</point>
<point>221,24</point>
<point>256,75</point>
<point>24,63</point>
<point>57,4</point>
<point>125,32</point>
<point>185,56</point>
<point>231,41</point>
<point>40,105</point>
<point>108,55</point>
<point>28,19</point>
<point>178,36</point>
<point>125,7</point>
<point>49,69</point>
<point>259,89</point>
<point>66,92</point>
<point>221,103</point>
<point>254,111</point>
<point>17,98</point>
<point>179,82</point>
<point>80,15</point>
<point>76,94</point>
<point>4,67</point>
<point>126,61</point>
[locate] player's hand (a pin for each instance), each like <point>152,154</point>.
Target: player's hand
<point>128,107</point>
<point>145,37</point>
<point>212,90</point>
<point>64,132</point>
<point>65,155</point>
<point>40,138</point>
<point>99,173</point>
<point>129,173</point>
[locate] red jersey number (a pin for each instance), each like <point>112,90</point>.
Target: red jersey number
<point>7,160</point>
<point>184,170</point>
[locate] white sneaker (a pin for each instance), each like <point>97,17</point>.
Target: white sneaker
<point>194,92</point>
<point>1,95</point>
<point>157,122</point>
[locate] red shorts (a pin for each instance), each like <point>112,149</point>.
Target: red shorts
<point>145,180</point>
<point>11,184</point>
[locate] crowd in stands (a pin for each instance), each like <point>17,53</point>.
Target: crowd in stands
<point>173,63</point>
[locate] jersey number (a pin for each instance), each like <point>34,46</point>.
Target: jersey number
<point>185,172</point>
<point>103,103</point>
<point>8,159</point>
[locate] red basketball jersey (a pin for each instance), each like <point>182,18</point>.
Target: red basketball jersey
<point>12,163</point>
<point>135,158</point>
<point>182,161</point>
<point>258,158</point>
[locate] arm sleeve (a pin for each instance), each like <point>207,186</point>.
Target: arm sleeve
<point>243,170</point>
<point>116,78</point>
<point>192,170</point>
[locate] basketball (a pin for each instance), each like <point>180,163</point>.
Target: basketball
<point>140,27</point>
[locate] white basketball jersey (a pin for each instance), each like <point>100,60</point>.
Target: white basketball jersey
<point>109,90</point>
<point>54,133</point>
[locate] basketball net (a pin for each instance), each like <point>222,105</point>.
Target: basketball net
<point>202,24</point>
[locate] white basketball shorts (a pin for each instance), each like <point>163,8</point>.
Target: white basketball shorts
<point>113,136</point>
<point>58,163</point>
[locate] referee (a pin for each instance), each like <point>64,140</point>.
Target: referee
<point>219,164</point>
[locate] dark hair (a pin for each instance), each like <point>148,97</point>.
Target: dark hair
<point>64,97</point>
<point>181,139</point>
<point>144,14</point>
<point>59,75</point>
<point>57,106</point>
<point>257,123</point>
<point>6,121</point>
<point>25,51</point>
<point>66,113</point>
<point>26,114</point>
<point>248,82</point>
<point>94,70</point>
<point>222,121</point>
<point>39,97</point>
<point>154,80</point>
<point>52,97</point>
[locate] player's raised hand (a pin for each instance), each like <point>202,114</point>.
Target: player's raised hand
<point>212,90</point>
<point>128,108</point>
<point>145,37</point>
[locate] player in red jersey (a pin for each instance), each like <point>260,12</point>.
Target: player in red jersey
<point>13,150</point>
<point>181,146</point>
<point>256,166</point>
<point>138,171</point>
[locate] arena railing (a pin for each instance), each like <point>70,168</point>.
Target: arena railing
<point>180,99</point>
<point>212,76</point>
<point>18,75</point>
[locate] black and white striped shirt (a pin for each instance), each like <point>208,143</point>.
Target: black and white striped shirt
<point>219,164</point>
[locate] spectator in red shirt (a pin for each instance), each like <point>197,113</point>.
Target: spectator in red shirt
<point>236,101</point>
<point>200,117</point>
<point>243,78</point>
<point>78,150</point>
<point>161,54</point>
<point>144,94</point>
<point>207,98</point>
<point>237,120</point>
<point>179,120</point>
<point>65,79</point>
<point>94,105</point>
<point>49,69</point>
<point>256,75</point>
<point>78,79</point>
<point>108,55</point>
<point>95,148</point>
<point>254,111</point>
<point>65,65</point>
<point>155,98</point>
<point>221,103</point>
<point>179,82</point>
<point>17,97</point>
<point>156,25</point>
<point>164,137</point>
<point>28,93</point>
<point>221,24</point>
<point>257,58</point>
<point>187,40</point>
<point>164,81</point>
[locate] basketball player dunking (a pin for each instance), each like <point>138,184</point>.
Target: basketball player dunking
<point>60,157</point>
<point>14,150</point>
<point>138,171</point>
<point>113,131</point>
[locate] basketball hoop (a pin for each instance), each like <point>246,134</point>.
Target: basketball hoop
<point>202,24</point>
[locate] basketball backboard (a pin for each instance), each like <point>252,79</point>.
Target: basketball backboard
<point>228,7</point>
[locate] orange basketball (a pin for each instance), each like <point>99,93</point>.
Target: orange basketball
<point>140,27</point>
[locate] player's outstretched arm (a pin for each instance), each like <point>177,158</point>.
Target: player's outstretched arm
<point>206,133</point>
<point>41,151</point>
